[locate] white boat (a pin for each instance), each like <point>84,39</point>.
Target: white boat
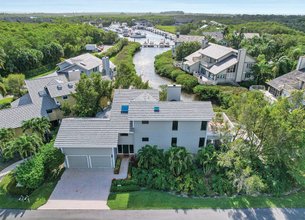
<point>138,35</point>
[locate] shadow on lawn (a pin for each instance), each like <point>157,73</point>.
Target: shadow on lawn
<point>8,213</point>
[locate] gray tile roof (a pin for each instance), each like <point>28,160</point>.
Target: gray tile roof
<point>23,100</point>
<point>86,132</point>
<point>85,61</point>
<point>289,81</point>
<point>169,111</point>
<point>35,104</point>
<point>61,89</point>
<point>216,51</point>
<point>223,65</point>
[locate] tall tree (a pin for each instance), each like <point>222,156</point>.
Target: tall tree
<point>40,126</point>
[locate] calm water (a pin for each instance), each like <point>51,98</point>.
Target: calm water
<point>144,63</point>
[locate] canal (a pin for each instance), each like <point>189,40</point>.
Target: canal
<point>144,63</point>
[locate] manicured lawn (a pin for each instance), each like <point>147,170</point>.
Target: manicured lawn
<point>162,200</point>
<point>170,29</point>
<point>6,100</point>
<point>38,198</point>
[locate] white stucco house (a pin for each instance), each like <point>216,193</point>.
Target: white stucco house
<point>88,63</point>
<point>219,64</point>
<point>137,118</point>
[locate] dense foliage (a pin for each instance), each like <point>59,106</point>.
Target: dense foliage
<point>25,46</point>
<point>186,48</point>
<point>126,74</point>
<point>45,165</point>
<point>164,66</point>
<point>91,91</point>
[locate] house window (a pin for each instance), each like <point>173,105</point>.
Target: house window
<point>145,139</point>
<point>124,134</point>
<point>248,75</point>
<point>65,97</point>
<point>174,141</point>
<point>120,149</point>
<point>249,65</point>
<point>203,126</point>
<point>231,69</point>
<point>131,149</point>
<point>175,126</point>
<point>49,111</point>
<point>145,122</point>
<point>201,142</point>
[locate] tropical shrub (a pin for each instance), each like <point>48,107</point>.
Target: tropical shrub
<point>30,174</point>
<point>117,165</point>
<point>179,160</point>
<point>124,186</point>
<point>188,82</point>
<point>150,157</point>
<point>186,48</point>
<point>12,188</point>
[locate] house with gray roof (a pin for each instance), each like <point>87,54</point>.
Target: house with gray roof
<point>88,63</point>
<point>44,98</point>
<point>285,85</point>
<point>219,64</point>
<point>137,118</point>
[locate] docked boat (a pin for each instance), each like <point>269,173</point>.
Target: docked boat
<point>138,35</point>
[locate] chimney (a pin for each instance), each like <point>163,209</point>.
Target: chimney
<point>106,66</point>
<point>204,43</point>
<point>241,57</point>
<point>173,93</point>
<point>74,75</point>
<point>301,63</point>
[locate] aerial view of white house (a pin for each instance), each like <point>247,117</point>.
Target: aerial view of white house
<point>219,64</point>
<point>137,118</point>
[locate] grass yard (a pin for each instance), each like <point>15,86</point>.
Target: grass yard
<point>161,200</point>
<point>170,29</point>
<point>5,101</point>
<point>38,198</point>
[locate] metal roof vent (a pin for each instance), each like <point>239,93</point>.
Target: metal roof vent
<point>156,109</point>
<point>42,93</point>
<point>59,87</point>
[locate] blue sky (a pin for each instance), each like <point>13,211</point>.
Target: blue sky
<point>196,6</point>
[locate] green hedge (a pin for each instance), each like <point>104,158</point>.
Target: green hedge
<point>113,51</point>
<point>117,165</point>
<point>124,186</point>
<point>12,189</point>
<point>164,66</point>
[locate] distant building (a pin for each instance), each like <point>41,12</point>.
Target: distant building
<point>284,85</point>
<point>87,63</point>
<point>91,47</point>
<point>219,64</point>
<point>249,36</point>
<point>217,35</point>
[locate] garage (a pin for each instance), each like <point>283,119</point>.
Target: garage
<point>88,157</point>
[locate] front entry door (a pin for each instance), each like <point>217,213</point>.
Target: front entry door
<point>125,149</point>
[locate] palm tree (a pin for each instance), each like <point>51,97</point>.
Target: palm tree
<point>40,126</point>
<point>24,146</point>
<point>179,160</point>
<point>150,157</point>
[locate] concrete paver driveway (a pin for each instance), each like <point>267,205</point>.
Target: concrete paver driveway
<point>81,189</point>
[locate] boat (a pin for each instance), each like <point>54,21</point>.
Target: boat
<point>138,35</point>
<point>151,44</point>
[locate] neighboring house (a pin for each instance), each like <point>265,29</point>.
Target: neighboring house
<point>91,47</point>
<point>87,63</point>
<point>183,20</point>
<point>137,118</point>
<point>284,85</point>
<point>219,64</point>
<point>44,98</point>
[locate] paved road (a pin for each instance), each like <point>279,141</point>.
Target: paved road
<point>8,169</point>
<point>213,214</point>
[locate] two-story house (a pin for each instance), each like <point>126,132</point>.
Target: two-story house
<point>137,118</point>
<point>87,63</point>
<point>44,98</point>
<point>219,64</point>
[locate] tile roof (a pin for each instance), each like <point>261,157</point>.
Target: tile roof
<point>216,51</point>
<point>189,38</point>
<point>34,104</point>
<point>85,61</point>
<point>86,132</point>
<point>223,65</point>
<point>169,111</point>
<point>61,89</point>
<point>289,81</point>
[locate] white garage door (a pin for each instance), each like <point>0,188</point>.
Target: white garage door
<point>76,161</point>
<point>101,161</point>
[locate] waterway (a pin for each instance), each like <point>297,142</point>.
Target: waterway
<point>144,63</point>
